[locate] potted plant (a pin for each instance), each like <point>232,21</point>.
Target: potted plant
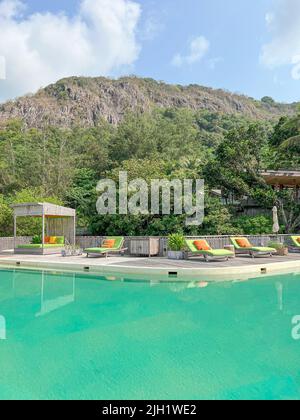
<point>37,240</point>
<point>176,246</point>
<point>281,249</point>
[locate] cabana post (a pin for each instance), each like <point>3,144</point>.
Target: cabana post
<point>58,224</point>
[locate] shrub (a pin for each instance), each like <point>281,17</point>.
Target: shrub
<point>276,245</point>
<point>258,225</point>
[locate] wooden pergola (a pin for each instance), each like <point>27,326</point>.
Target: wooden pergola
<point>56,220</point>
<point>282,178</point>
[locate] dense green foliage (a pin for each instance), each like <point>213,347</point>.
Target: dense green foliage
<point>64,166</point>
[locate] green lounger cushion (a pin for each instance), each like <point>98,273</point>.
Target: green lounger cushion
<point>295,241</point>
<point>60,240</point>
<point>38,246</point>
<point>211,253</point>
<point>215,253</point>
<point>119,240</point>
<point>99,250</point>
<point>252,248</point>
<point>262,249</point>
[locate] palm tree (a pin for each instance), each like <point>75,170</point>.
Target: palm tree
<point>293,143</point>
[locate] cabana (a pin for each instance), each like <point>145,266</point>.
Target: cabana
<point>58,227</point>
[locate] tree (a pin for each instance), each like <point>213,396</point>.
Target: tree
<point>268,100</point>
<point>82,196</point>
<point>286,134</point>
<point>239,159</point>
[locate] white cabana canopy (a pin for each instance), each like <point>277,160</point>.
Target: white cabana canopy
<point>56,220</point>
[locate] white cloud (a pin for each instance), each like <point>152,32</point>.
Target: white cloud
<point>152,26</point>
<point>2,68</point>
<point>284,48</point>
<point>213,62</point>
<point>10,8</point>
<point>198,48</point>
<point>44,47</point>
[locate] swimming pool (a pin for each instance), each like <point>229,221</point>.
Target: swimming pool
<point>74,336</point>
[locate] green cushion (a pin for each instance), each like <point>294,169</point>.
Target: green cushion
<point>262,249</point>
<point>38,246</point>
<point>60,240</point>
<point>97,250</point>
<point>217,253</point>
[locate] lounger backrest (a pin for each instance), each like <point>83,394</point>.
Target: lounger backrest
<point>234,242</point>
<point>191,246</point>
<point>295,240</point>
<point>119,241</point>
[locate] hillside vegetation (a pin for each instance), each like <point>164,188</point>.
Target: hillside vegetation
<point>56,146</point>
<point>79,101</point>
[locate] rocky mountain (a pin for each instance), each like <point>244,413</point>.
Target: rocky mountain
<point>85,101</point>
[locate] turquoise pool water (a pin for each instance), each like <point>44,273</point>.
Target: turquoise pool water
<point>80,337</point>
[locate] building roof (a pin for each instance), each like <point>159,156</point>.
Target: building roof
<point>282,178</point>
<point>40,209</point>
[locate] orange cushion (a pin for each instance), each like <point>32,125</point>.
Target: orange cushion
<point>108,243</point>
<point>47,239</point>
<point>52,240</point>
<point>298,240</point>
<point>202,245</point>
<point>243,243</point>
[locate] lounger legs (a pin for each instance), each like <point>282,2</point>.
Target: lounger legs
<point>216,258</point>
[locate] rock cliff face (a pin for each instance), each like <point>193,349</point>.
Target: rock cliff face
<point>85,101</point>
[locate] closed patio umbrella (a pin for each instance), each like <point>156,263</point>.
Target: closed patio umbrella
<point>276,227</point>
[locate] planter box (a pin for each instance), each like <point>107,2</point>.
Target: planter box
<point>283,252</point>
<point>176,255</point>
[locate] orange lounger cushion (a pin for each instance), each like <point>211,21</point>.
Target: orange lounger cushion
<point>202,245</point>
<point>108,243</point>
<point>243,243</point>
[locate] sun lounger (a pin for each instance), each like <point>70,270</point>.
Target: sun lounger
<point>207,252</point>
<point>294,243</point>
<point>117,248</point>
<point>243,246</point>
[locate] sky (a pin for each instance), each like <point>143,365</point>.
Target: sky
<point>249,47</point>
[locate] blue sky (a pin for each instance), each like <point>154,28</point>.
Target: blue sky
<point>251,47</point>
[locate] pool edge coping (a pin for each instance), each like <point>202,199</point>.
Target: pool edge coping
<point>164,273</point>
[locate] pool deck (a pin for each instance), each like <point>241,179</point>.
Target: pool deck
<point>240,268</point>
